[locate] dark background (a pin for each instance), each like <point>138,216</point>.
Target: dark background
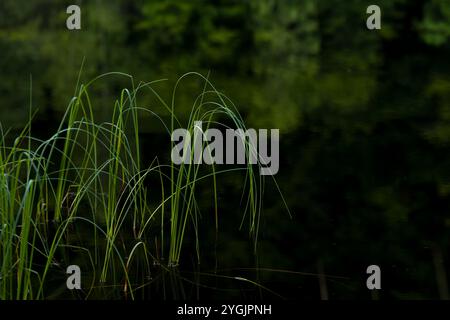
<point>364,118</point>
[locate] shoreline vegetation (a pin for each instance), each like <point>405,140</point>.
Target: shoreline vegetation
<point>81,196</point>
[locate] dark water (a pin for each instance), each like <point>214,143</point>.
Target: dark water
<point>364,118</point>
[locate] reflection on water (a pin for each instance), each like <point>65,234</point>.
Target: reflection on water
<point>364,120</point>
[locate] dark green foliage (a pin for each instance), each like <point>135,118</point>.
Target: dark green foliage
<point>364,116</point>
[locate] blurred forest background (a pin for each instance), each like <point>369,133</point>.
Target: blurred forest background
<point>364,119</point>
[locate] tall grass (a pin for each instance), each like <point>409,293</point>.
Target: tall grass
<point>83,192</point>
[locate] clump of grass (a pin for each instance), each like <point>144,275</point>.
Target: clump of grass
<point>88,178</point>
